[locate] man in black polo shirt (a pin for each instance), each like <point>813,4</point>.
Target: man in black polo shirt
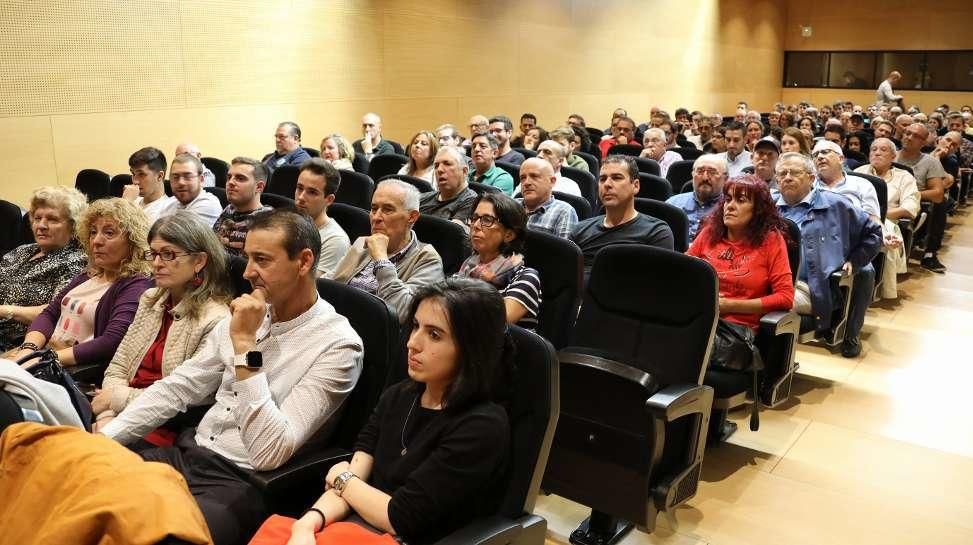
<point>453,199</point>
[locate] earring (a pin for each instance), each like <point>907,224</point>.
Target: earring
<point>197,280</point>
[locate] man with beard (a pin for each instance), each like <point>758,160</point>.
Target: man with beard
<point>709,175</point>
<point>186,177</point>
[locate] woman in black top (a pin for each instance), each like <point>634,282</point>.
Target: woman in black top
<point>434,453</point>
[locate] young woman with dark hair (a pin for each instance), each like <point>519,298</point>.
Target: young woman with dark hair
<point>434,454</point>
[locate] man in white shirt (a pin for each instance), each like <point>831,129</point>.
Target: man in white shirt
<point>884,94</point>
<point>186,179</point>
<point>828,160</point>
<point>147,190</point>
<point>280,367</point>
<point>736,156</point>
<point>209,179</point>
<point>317,184</point>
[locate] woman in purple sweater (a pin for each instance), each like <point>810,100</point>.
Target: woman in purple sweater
<point>89,317</point>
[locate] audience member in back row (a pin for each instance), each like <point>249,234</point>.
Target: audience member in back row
<point>554,153</point>
<point>279,368</point>
<point>836,236</point>
<point>87,319</point>
<point>534,137</point>
<point>391,263</point>
<point>422,152</point>
<point>186,177</point>
<point>452,199</point>
<point>147,191</point>
<point>544,212</point>
<point>618,184</point>
<point>572,143</point>
<point>654,147</point>
<point>317,183</point>
<point>371,143</point>
<point>527,122</point>
<point>336,150</point>
<point>190,296</point>
<point>31,274</point>
<point>209,179</point>
<point>287,140</point>
<point>828,159</point>
<point>498,230</point>
<point>622,132</point>
<point>709,175</point>
<point>736,156</point>
<point>434,454</point>
<point>930,179</point>
<point>484,152</point>
<point>244,184</point>
<point>744,240</point>
<point>502,128</point>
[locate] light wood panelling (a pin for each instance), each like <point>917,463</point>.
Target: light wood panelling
<point>26,157</point>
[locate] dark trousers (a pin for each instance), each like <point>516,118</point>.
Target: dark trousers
<point>861,297</point>
<point>233,508</point>
<point>936,227</point>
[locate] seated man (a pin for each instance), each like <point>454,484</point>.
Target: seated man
<point>209,179</point>
<point>484,150</point>
<point>764,157</point>
<point>391,263</point>
<point>622,132</point>
<point>479,124</point>
<point>527,122</point>
<point>502,128</point>
<point>186,179</point>
<point>371,142</point>
<point>317,184</point>
<point>147,190</point>
<point>554,153</point>
<point>280,367</point>
<point>930,179</point>
<point>448,135</point>
<point>736,156</point>
<point>829,159</point>
<point>709,175</point>
<point>618,184</point>
<point>571,142</point>
<point>655,147</point>
<point>245,182</point>
<point>287,139</point>
<point>576,120</point>
<point>453,199</point>
<point>544,212</point>
<point>835,236</point>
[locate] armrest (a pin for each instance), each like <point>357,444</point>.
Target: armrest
<point>92,373</point>
<point>905,224</point>
<point>612,367</point>
<point>842,279</point>
<point>780,323</point>
<point>492,530</point>
<point>301,468</point>
<point>676,401</point>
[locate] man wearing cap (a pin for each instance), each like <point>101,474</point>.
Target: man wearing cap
<point>709,175</point>
<point>764,159</point>
<point>828,160</point>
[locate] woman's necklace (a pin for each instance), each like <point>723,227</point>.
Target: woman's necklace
<point>406,423</point>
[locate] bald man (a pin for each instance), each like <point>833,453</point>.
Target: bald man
<point>884,94</point>
<point>544,212</point>
<point>209,179</point>
<point>371,142</point>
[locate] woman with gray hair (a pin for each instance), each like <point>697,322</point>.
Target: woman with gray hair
<point>31,274</point>
<point>191,294</point>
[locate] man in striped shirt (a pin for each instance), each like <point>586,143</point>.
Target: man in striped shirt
<point>544,212</point>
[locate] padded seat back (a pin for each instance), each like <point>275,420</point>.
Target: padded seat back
<point>447,237</point>
<point>419,183</point>
<point>679,173</point>
<point>283,181</point>
<point>313,152</point>
<point>355,189</point>
<point>560,265</point>
<point>359,163</point>
<point>674,217</point>
<point>220,194</point>
<point>654,187</point>
<point>93,183</point>
<point>587,183</point>
<point>593,163</point>
<point>386,164</point>
<point>116,187</point>
<point>648,166</point>
<point>355,221</point>
<point>483,188</point>
<point>689,154</point>
<point>581,205</point>
<point>631,150</point>
<point>10,225</point>
<point>219,168</point>
<point>527,153</point>
<point>511,169</point>
<point>276,201</point>
<point>881,190</point>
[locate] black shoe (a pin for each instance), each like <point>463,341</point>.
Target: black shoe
<point>851,348</point>
<point>932,263</point>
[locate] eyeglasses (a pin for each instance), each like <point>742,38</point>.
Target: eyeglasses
<point>793,173</point>
<point>165,255</point>
<point>486,221</point>
<point>176,176</point>
<point>706,171</point>
<point>821,152</point>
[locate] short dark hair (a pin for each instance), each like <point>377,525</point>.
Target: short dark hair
<point>491,140</point>
<point>582,135</point>
<point>259,169</point>
<point>528,115</point>
<point>292,128</point>
<point>508,125</point>
<point>681,111</point>
<point>580,118</point>
<point>839,129</point>
<point>735,126</point>
<point>478,321</point>
<point>320,167</point>
<point>627,161</point>
<point>510,214</point>
<point>627,119</point>
<point>150,157</point>
<point>300,233</point>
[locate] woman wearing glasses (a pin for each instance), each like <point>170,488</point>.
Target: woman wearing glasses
<point>498,227</point>
<point>190,296</point>
<point>88,318</point>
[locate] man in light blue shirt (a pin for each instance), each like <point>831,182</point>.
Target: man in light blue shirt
<point>709,175</point>
<point>829,160</point>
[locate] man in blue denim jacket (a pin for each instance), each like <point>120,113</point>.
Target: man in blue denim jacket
<point>834,235</point>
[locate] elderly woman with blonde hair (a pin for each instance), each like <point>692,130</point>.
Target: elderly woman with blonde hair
<point>31,274</point>
<point>88,318</point>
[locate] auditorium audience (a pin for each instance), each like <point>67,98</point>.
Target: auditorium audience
<point>336,150</point>
<point>288,150</point>
<point>709,175</point>
<point>317,184</point>
<point>484,149</point>
<point>764,159</point>
<point>32,273</point>
<point>87,318</point>
<point>622,132</point>
<point>186,180</point>
<point>452,199</point>
<point>930,179</point>
<point>278,377</point>
<point>796,141</point>
<point>755,131</point>
<point>147,190</point>
<point>392,263</point>
<point>527,122</point>
<point>191,293</point>
<point>736,156</point>
<point>566,137</point>
<point>209,179</point>
<point>831,176</point>
<point>535,136</point>
<point>554,154</point>
<point>371,143</point>
<point>245,182</point>
<point>498,229</point>
<point>544,211</point>
<point>434,454</point>
<point>502,128</point>
<point>421,152</point>
<point>654,147</point>
<point>618,185</point>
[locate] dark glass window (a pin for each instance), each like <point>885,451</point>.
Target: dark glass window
<point>853,70</point>
<point>806,69</point>
<point>949,71</point>
<point>934,70</point>
<point>908,64</point>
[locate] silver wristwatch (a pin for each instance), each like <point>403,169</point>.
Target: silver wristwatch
<point>341,481</point>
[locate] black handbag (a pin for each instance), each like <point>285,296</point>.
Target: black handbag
<point>734,350</point>
<point>49,369</point>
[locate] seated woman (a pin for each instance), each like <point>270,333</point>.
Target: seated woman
<point>31,274</point>
<point>744,240</point>
<point>88,318</point>
<point>191,293</point>
<point>534,137</point>
<point>434,454</point>
<point>422,151</point>
<point>755,131</point>
<point>336,150</point>
<point>498,228</point>
<point>794,140</point>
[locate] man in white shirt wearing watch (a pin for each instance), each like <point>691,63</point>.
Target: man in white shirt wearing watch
<point>280,367</point>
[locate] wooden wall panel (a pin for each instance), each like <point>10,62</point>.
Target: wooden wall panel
<point>27,157</point>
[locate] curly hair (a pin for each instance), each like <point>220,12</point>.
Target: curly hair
<point>132,222</point>
<point>765,217</point>
<point>71,202</point>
